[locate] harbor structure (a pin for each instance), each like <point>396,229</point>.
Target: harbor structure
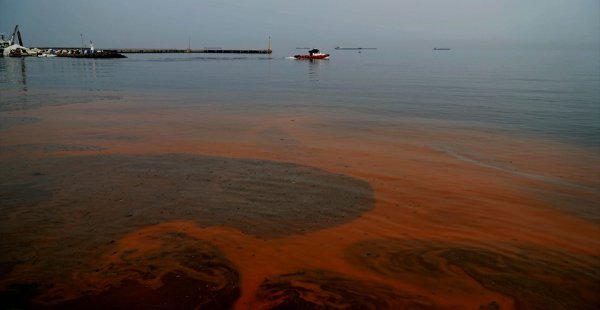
<point>210,51</point>
<point>8,46</point>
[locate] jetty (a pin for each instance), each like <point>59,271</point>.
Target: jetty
<point>159,51</point>
<point>210,51</point>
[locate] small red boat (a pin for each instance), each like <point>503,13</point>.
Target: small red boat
<point>312,54</point>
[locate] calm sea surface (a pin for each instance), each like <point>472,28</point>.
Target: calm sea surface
<point>554,94</point>
<point>387,179</point>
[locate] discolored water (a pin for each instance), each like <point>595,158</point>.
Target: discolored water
<point>386,179</point>
<point>548,92</point>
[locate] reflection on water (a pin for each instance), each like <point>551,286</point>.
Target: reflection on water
<point>519,91</point>
<point>87,70</point>
<point>93,65</point>
<point>32,82</point>
<point>13,71</point>
<point>313,70</point>
<point>33,73</point>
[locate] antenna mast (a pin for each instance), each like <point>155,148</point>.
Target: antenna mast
<point>270,47</point>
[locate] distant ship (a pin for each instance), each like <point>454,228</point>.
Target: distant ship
<point>441,49</point>
<point>355,48</point>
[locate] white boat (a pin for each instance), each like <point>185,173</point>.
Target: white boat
<point>8,47</point>
<point>17,50</point>
<point>3,44</point>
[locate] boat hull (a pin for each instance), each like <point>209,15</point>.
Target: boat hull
<point>312,57</point>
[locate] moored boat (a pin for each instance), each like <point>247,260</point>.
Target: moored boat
<point>9,47</point>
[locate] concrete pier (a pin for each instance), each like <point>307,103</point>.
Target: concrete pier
<point>150,50</point>
<point>212,51</point>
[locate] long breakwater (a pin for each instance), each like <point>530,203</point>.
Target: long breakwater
<point>158,50</point>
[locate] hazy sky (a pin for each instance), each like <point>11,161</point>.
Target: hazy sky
<point>321,23</point>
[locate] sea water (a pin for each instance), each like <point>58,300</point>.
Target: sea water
<point>388,179</point>
<point>551,93</point>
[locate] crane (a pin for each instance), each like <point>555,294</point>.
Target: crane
<point>16,32</point>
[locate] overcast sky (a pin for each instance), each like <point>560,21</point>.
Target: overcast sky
<point>325,23</point>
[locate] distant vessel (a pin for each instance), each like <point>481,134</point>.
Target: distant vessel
<point>313,54</point>
<point>441,49</point>
<point>355,48</point>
